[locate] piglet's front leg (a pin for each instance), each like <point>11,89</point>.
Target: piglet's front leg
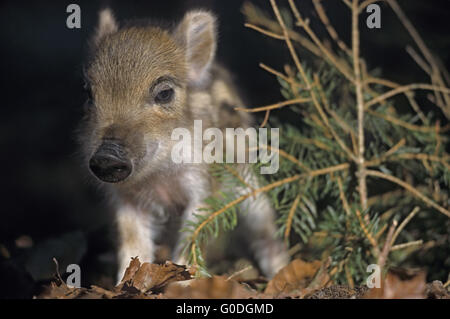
<point>135,237</point>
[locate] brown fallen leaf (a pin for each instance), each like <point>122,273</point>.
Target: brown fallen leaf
<point>131,270</point>
<point>217,287</point>
<point>154,277</point>
<point>400,286</point>
<point>295,276</point>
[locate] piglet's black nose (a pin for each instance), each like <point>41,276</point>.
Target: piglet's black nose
<point>110,164</point>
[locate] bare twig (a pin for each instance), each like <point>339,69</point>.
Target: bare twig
<point>404,223</point>
<point>331,30</point>
<point>415,106</point>
<point>370,79</point>
<point>411,189</point>
<point>280,75</point>
<point>256,17</point>
<point>288,40</point>
<point>362,186</point>
<point>339,64</point>
<point>420,62</point>
<point>405,245</point>
<point>239,272</point>
<point>436,76</point>
<point>273,106</point>
<point>265,32</point>
<point>387,245</point>
<point>405,88</point>
<point>266,119</point>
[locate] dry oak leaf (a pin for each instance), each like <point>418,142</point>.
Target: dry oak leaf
<point>154,277</point>
<point>216,287</point>
<point>131,270</point>
<point>394,287</point>
<point>295,276</point>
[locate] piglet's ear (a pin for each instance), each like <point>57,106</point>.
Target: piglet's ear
<point>106,25</point>
<point>197,34</point>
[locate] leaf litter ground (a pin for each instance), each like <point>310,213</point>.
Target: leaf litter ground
<point>298,280</point>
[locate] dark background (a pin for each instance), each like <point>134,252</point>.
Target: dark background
<point>44,191</point>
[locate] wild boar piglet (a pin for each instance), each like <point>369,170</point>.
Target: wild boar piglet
<point>144,81</point>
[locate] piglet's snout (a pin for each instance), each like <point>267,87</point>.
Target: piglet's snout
<point>110,162</point>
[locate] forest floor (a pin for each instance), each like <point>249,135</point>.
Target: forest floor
<point>298,280</point>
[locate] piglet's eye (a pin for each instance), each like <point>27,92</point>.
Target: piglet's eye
<point>164,96</point>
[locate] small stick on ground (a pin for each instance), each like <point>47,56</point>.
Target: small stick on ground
<point>239,272</point>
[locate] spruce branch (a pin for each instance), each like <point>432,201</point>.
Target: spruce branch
<point>350,134</point>
<point>211,217</point>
